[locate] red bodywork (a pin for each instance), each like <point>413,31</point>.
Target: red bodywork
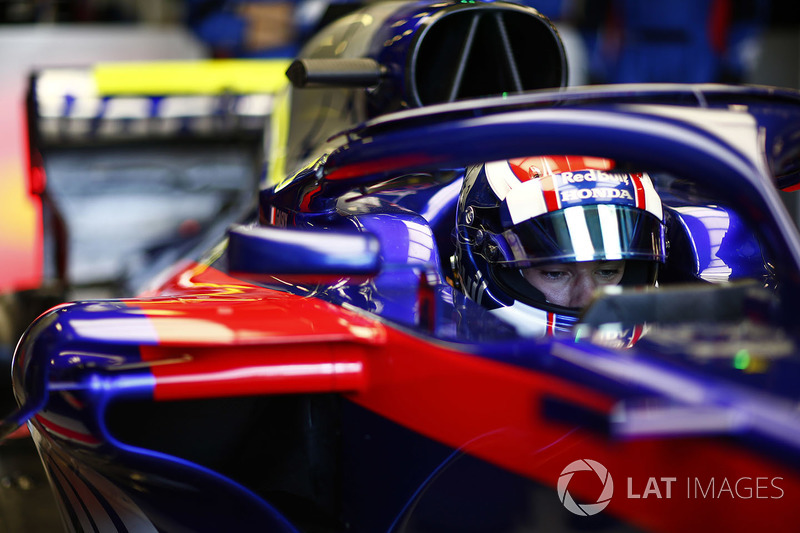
<point>253,340</point>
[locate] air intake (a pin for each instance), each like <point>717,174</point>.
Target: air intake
<point>471,51</point>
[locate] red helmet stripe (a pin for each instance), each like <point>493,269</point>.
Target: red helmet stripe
<point>641,201</point>
<point>519,172</point>
<point>551,199</point>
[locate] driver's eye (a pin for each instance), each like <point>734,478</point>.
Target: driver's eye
<point>608,273</point>
<point>553,275</point>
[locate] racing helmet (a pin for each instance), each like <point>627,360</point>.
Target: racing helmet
<point>541,210</point>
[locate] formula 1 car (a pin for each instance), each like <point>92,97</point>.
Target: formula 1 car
<point>324,366</point>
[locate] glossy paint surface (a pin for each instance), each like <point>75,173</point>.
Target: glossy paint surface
<point>393,403</point>
<point>510,410</point>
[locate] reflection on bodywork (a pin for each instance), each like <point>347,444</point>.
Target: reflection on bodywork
<point>724,248</point>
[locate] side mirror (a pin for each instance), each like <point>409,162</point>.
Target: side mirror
<point>267,253</point>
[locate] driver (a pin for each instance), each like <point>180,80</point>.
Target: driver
<point>538,235</point>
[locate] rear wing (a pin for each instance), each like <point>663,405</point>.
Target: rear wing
<point>140,158</point>
<point>122,102</point>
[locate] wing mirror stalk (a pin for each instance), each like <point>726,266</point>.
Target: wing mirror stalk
<point>335,72</point>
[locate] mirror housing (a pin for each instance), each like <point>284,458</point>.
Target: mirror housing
<point>268,253</point>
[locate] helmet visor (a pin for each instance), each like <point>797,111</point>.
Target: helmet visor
<point>586,233</point>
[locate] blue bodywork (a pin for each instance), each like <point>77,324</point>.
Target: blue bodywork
<point>344,274</point>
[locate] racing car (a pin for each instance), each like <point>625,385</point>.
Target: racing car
<point>340,359</point>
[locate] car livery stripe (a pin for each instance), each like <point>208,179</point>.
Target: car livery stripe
<point>494,411</point>
<point>380,167</point>
<point>69,498</point>
<point>307,197</point>
<point>200,352</point>
<point>79,435</point>
<point>93,503</point>
<point>243,371</point>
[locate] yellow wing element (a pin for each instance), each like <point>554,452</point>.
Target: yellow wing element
<point>213,76</point>
<point>132,100</point>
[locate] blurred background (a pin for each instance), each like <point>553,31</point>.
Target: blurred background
<point>748,41</point>
<point>160,202</point>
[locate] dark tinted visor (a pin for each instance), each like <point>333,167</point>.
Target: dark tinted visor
<point>586,233</point>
